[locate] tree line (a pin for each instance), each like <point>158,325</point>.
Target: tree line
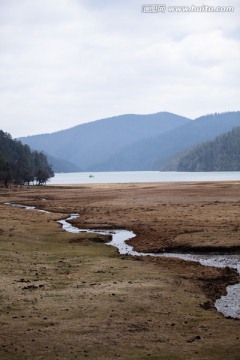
<point>20,165</point>
<point>221,154</point>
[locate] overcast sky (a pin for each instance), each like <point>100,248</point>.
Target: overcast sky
<point>66,62</point>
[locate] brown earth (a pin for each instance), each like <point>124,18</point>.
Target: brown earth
<point>69,296</point>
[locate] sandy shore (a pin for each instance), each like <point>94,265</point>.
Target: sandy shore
<point>67,296</point>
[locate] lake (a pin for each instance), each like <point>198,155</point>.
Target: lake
<point>141,176</point>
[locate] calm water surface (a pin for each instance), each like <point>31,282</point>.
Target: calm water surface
<point>141,176</point>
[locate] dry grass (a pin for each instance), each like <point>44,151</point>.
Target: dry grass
<point>66,296</point>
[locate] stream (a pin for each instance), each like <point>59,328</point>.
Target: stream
<point>228,305</point>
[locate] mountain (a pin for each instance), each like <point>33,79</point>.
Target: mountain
<point>132,142</point>
<point>221,154</point>
<point>88,145</point>
<point>153,153</point>
<point>62,165</point>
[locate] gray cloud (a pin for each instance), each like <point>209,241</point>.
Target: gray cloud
<point>64,62</point>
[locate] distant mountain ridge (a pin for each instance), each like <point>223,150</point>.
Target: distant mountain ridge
<point>132,142</point>
<point>154,152</point>
<point>88,145</point>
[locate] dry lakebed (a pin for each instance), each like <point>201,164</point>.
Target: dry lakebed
<point>66,295</point>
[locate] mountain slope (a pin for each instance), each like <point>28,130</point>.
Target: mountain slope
<point>88,145</point>
<point>62,165</point>
<point>153,153</point>
<point>221,154</point>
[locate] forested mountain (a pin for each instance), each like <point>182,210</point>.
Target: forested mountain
<point>88,145</point>
<point>21,165</point>
<point>153,153</point>
<point>221,154</point>
<point>132,142</point>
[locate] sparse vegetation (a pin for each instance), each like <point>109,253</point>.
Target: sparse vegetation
<point>66,296</point>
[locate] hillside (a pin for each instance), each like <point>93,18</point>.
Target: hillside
<point>154,152</point>
<point>221,154</point>
<point>132,142</point>
<point>62,165</point>
<point>88,145</point>
<point>19,164</point>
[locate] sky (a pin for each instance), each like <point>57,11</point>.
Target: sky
<point>67,62</point>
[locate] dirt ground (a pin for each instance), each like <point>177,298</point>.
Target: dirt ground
<point>69,296</point>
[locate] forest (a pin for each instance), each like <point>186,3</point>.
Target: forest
<point>20,165</point>
<point>221,154</point>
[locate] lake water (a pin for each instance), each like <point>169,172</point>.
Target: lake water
<point>141,176</point>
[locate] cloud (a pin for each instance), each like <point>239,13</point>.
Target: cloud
<point>64,62</point>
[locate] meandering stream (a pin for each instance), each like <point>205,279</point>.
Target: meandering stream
<point>228,305</point>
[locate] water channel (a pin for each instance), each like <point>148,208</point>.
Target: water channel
<point>229,305</point>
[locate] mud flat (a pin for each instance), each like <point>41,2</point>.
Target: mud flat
<point>67,296</point>
<point>229,304</point>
